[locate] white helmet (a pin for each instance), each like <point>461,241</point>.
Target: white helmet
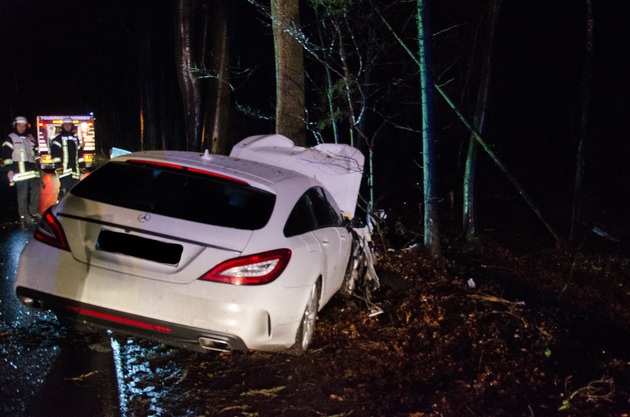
<point>67,120</point>
<point>20,120</point>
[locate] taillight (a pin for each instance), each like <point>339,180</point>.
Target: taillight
<point>50,232</point>
<point>261,268</point>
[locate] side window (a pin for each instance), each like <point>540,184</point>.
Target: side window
<point>335,212</point>
<point>312,211</point>
<point>302,217</point>
<point>324,212</point>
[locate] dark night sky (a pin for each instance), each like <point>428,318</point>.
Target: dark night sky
<point>539,83</point>
<point>71,56</point>
<point>63,53</point>
<point>75,57</point>
<point>79,56</point>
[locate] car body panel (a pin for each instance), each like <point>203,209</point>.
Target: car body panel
<point>105,280</point>
<point>243,311</point>
<point>83,229</point>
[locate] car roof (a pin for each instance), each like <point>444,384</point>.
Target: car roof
<point>255,173</point>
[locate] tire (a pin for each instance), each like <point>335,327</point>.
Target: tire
<point>304,334</point>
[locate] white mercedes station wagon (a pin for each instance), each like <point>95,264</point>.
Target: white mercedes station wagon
<point>205,252</point>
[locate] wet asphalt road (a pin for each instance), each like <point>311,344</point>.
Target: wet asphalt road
<point>43,372</point>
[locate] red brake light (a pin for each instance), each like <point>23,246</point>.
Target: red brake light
<point>156,163</point>
<point>261,268</point>
<point>50,232</point>
<point>188,169</point>
<point>216,175</point>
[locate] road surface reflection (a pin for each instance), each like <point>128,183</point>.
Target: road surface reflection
<point>43,372</point>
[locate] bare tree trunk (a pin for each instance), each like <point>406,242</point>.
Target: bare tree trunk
<point>481,107</point>
<point>478,137</point>
<point>185,60</point>
<point>431,231</point>
<point>329,80</point>
<point>587,74</point>
<point>498,162</point>
<point>218,107</point>
<point>154,127</point>
<point>146,141</point>
<point>285,15</point>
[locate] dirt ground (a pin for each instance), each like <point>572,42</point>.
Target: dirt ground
<point>514,325</point>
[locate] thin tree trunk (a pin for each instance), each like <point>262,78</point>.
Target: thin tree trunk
<point>329,82</point>
<point>481,107</point>
<point>218,108</point>
<point>285,16</point>
<point>587,71</point>
<point>499,163</point>
<point>347,77</point>
<point>431,234</point>
<point>478,137</point>
<point>470,171</point>
<point>146,141</point>
<point>185,60</point>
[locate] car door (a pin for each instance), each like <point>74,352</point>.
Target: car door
<point>331,235</point>
<point>317,221</point>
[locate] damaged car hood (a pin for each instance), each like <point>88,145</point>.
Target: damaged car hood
<point>338,167</point>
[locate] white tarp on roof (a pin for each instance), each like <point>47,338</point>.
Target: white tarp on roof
<point>338,166</point>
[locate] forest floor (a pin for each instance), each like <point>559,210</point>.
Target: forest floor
<point>513,325</point>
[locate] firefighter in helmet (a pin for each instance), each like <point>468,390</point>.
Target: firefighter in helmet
<point>65,150</point>
<point>21,164</point>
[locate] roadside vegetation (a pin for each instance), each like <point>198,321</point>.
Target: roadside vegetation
<point>512,325</point>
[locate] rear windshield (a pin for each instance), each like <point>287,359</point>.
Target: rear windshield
<point>174,193</point>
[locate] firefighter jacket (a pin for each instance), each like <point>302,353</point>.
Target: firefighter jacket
<point>65,150</point>
<point>19,154</point>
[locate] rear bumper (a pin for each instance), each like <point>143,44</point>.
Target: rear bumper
<point>73,312</point>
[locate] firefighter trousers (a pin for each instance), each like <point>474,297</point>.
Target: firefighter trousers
<point>28,197</point>
<point>65,184</point>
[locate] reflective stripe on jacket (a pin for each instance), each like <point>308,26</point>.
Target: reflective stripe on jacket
<point>66,155</point>
<point>19,155</point>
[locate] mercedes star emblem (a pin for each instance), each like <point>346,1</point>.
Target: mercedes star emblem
<point>144,217</point>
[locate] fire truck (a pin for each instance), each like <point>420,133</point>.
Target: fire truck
<point>50,126</point>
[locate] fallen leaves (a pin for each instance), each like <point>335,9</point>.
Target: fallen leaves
<point>504,348</point>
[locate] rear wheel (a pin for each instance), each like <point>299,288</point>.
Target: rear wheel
<point>305,332</point>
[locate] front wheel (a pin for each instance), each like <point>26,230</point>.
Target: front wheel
<point>305,332</point>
